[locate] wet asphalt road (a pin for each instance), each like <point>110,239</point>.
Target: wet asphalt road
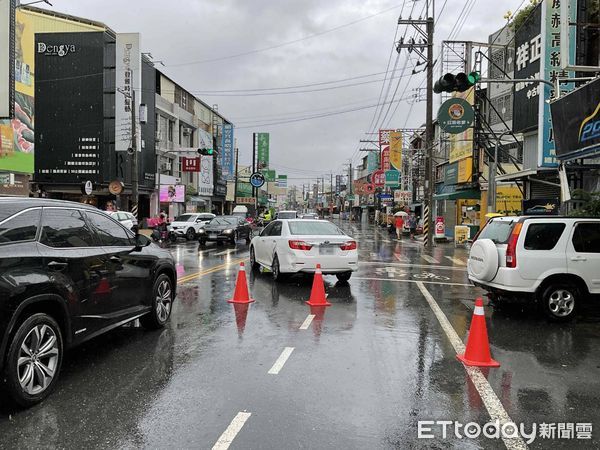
<point>360,375</point>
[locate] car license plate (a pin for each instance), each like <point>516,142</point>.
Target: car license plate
<point>326,250</point>
<point>212,236</point>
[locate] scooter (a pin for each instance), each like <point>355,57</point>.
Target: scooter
<point>160,235</point>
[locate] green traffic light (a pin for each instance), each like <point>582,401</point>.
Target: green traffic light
<point>474,77</point>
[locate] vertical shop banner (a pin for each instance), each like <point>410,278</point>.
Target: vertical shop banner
<point>205,181</point>
<point>128,78</point>
<point>227,152</point>
<point>396,150</point>
<point>7,43</point>
<point>262,150</point>
<point>551,70</point>
<point>385,157</point>
<point>528,52</point>
<point>282,181</point>
<point>20,155</point>
<point>461,144</point>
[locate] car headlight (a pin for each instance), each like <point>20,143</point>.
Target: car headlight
<point>227,231</point>
<point>201,231</point>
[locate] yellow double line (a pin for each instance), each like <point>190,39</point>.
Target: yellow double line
<point>218,268</point>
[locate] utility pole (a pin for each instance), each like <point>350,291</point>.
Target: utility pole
<point>428,210</point>
<point>235,188</point>
<point>254,170</point>
<point>417,46</point>
<point>134,162</point>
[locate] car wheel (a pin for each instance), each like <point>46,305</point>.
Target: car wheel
<point>343,276</point>
<point>173,237</point>
<point>190,234</point>
<point>162,303</point>
<point>33,360</point>
<point>277,275</point>
<point>559,301</point>
<point>253,264</point>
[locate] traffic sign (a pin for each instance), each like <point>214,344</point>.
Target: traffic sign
<point>392,178</point>
<point>257,179</point>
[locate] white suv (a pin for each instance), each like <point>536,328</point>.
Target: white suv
<point>554,260</point>
<point>187,225</point>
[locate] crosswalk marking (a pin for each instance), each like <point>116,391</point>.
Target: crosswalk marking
<point>430,259</point>
<point>458,262</point>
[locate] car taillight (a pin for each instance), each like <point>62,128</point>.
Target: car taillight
<point>350,245</point>
<point>300,245</point>
<point>511,248</point>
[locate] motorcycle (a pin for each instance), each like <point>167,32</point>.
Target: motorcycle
<point>161,235</point>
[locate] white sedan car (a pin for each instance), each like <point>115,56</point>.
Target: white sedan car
<point>298,245</point>
<point>188,225</point>
<point>127,219</point>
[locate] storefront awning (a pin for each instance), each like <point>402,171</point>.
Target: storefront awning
<point>450,193</point>
<point>198,200</point>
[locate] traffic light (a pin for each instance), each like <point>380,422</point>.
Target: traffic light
<point>456,83</point>
<point>206,151</point>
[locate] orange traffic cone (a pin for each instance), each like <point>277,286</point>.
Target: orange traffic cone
<point>477,352</point>
<point>241,294</point>
<point>317,293</point>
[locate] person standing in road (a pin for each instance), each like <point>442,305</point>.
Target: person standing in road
<point>412,225</point>
<point>399,224</point>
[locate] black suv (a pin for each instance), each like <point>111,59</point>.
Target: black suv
<point>69,272</point>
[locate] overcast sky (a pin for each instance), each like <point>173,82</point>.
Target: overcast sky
<point>198,41</point>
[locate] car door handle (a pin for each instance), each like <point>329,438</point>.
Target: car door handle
<point>115,259</point>
<point>578,258</point>
<point>57,266</point>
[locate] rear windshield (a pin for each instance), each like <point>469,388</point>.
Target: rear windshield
<point>286,215</point>
<point>497,230</point>
<point>224,221</point>
<point>314,228</point>
<point>184,218</point>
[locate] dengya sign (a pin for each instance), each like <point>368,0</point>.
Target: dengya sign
<point>576,122</point>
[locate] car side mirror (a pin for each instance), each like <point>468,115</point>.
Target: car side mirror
<point>141,241</point>
<point>136,229</point>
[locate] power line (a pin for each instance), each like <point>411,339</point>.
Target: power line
<point>283,44</point>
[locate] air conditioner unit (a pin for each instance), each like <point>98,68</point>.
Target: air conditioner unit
<point>177,180</point>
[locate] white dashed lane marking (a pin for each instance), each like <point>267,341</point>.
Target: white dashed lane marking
<point>232,430</point>
<point>285,354</point>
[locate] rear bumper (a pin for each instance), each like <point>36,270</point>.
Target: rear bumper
<point>329,264</point>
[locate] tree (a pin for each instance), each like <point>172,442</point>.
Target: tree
<point>517,21</point>
<point>588,203</point>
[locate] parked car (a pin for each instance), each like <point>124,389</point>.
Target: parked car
<point>286,215</point>
<point>292,246</point>
<point>188,225</point>
<point>553,260</point>
<point>69,272</point>
<point>225,228</point>
<point>127,219</point>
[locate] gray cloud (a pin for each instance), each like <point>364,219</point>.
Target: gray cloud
<point>179,32</point>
